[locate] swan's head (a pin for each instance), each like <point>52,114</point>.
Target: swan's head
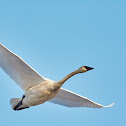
<point>84,69</point>
<point>80,70</point>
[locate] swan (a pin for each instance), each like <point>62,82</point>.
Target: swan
<point>38,89</point>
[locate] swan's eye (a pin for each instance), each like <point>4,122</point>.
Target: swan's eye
<point>85,66</point>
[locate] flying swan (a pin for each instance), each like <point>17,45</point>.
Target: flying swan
<point>38,89</point>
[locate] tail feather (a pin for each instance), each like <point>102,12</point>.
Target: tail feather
<point>15,102</point>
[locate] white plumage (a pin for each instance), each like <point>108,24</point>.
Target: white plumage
<point>38,89</point>
<point>18,70</point>
<point>69,99</point>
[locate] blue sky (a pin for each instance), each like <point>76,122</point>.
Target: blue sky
<point>56,38</point>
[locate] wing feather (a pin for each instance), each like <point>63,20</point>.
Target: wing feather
<point>18,70</point>
<point>70,99</point>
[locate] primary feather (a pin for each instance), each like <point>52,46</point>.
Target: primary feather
<point>18,70</point>
<point>69,99</point>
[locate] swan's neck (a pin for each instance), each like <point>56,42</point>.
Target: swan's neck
<point>68,76</point>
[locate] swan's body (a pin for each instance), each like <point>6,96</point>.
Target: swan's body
<point>41,93</point>
<point>38,89</point>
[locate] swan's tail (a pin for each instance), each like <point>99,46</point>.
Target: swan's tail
<point>17,104</point>
<point>14,102</point>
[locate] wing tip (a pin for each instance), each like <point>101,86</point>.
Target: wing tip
<point>111,105</point>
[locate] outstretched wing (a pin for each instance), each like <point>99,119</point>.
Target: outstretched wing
<point>18,70</point>
<point>70,99</point>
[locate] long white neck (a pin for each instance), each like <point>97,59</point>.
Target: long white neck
<point>80,70</point>
<point>68,76</point>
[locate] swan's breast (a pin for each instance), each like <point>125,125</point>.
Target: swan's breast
<point>41,93</point>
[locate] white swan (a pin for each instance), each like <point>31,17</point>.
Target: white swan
<point>38,89</point>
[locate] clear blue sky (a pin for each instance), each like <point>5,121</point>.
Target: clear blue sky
<point>57,37</point>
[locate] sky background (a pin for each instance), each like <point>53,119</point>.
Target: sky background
<point>56,38</point>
